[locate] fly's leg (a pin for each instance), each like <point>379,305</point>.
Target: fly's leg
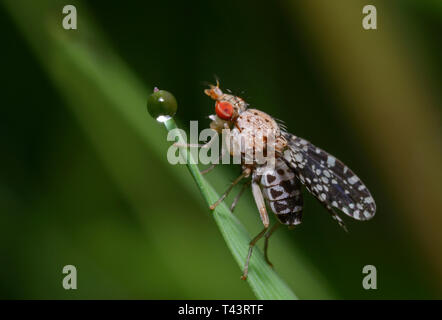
<point>207,145</point>
<point>249,255</point>
<point>259,199</point>
<point>223,152</point>
<point>235,201</point>
<point>266,243</point>
<point>213,165</point>
<point>193,145</point>
<point>244,174</point>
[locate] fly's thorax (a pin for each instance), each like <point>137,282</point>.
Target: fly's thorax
<point>251,148</point>
<point>257,137</point>
<point>255,123</point>
<point>256,120</point>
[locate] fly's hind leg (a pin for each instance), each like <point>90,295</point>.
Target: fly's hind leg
<point>259,199</point>
<point>267,235</point>
<point>249,255</point>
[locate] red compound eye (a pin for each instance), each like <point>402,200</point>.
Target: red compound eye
<point>224,110</point>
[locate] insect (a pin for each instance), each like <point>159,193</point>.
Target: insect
<point>297,163</point>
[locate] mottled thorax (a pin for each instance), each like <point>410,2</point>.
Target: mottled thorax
<point>258,131</point>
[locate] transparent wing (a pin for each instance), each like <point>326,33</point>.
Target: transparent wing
<point>329,180</point>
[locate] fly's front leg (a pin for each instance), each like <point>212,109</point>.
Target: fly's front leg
<point>213,165</point>
<point>207,145</point>
<point>193,145</point>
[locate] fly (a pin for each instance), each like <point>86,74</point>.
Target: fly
<point>297,163</point>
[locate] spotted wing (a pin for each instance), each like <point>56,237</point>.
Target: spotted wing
<point>329,180</point>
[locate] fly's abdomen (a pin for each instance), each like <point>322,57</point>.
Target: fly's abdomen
<point>283,193</point>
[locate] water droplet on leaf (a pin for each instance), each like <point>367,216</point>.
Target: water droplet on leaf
<point>161,105</point>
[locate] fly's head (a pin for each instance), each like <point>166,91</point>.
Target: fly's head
<point>227,108</point>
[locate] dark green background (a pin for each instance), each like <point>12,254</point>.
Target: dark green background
<point>112,206</point>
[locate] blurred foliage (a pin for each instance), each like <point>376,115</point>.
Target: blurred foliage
<point>84,176</point>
